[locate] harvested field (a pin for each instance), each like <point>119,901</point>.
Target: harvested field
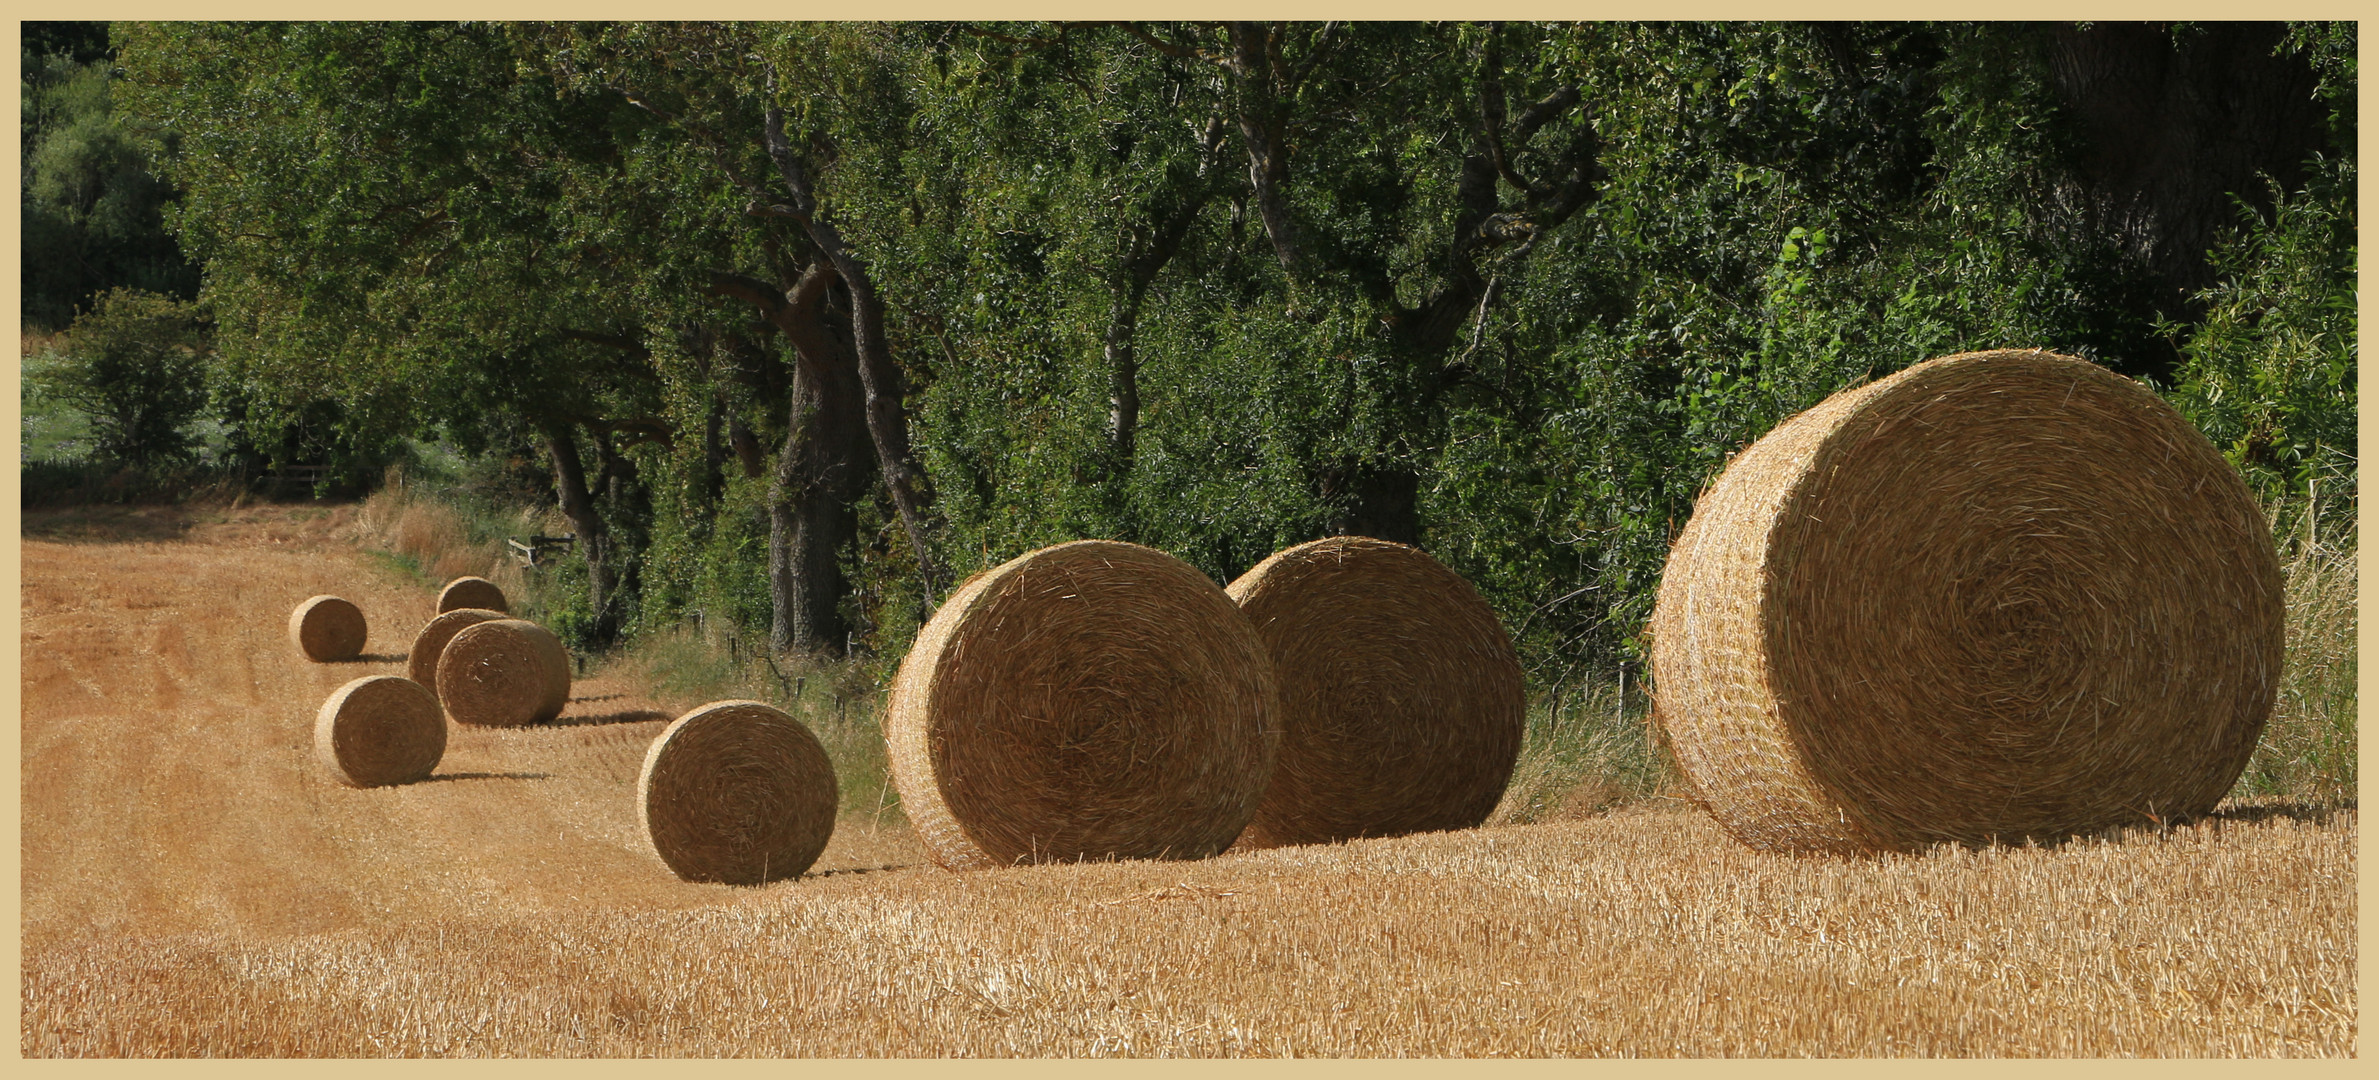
<point>194,885</point>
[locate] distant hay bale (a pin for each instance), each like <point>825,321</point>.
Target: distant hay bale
<point>471,592</point>
<point>422,662</point>
<point>1401,701</point>
<point>378,730</point>
<point>1090,700</point>
<point>1996,596</point>
<point>737,792</point>
<point>504,673</point>
<point>327,628</point>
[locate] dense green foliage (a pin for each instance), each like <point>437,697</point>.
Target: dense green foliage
<point>90,203</point>
<point>136,365</point>
<point>1514,292</point>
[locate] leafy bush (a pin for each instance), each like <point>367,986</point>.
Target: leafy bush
<point>136,365</point>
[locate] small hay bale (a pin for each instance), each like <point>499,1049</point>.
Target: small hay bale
<point>1401,701</point>
<point>422,662</point>
<point>1090,700</point>
<point>327,628</point>
<point>504,673</point>
<point>737,792</point>
<point>1997,596</point>
<point>378,730</point>
<point>471,592</point>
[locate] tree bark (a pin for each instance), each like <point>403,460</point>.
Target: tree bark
<point>821,468</point>
<point>1151,248</point>
<point>594,540</point>
<point>887,416</point>
<point>2173,124</point>
<point>1256,68</point>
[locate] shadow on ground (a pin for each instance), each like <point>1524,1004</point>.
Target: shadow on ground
<point>2309,811</point>
<point>106,524</point>
<point>628,716</point>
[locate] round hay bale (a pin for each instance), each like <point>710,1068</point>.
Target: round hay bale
<point>737,792</point>
<point>1997,596</point>
<point>1401,703</point>
<point>471,592</point>
<point>1091,700</point>
<point>380,729</point>
<point>422,662</point>
<point>504,673</point>
<point>326,628</point>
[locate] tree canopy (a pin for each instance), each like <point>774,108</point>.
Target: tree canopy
<point>813,320</point>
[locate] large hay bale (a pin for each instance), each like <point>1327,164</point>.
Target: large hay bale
<point>471,592</point>
<point>379,729</point>
<point>327,628</point>
<point>1086,701</point>
<point>1996,596</point>
<point>1401,703</point>
<point>504,673</point>
<point>737,792</point>
<point>422,662</point>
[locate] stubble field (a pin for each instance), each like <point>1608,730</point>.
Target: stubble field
<point>194,885</point>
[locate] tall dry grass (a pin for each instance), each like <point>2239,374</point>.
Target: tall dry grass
<point>430,537</point>
<point>1586,751</point>
<point>2308,747</point>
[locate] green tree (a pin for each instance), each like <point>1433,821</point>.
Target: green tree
<point>89,202</point>
<point>136,364</point>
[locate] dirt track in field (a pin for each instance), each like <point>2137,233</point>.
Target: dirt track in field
<point>195,884</point>
<point>169,778</point>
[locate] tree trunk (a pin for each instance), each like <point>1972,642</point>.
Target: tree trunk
<point>1256,67</point>
<point>714,458</point>
<point>819,471</point>
<point>887,416</point>
<point>1123,371</point>
<point>1150,248</point>
<point>594,541</point>
<point>2173,124</point>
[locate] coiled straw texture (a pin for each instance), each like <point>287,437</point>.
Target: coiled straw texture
<point>422,662</point>
<point>378,730</point>
<point>327,628</point>
<point>504,673</point>
<point>1401,701</point>
<point>1090,700</point>
<point>737,792</point>
<point>1997,596</point>
<point>472,592</point>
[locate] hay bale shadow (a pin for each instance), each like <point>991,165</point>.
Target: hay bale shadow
<point>2306,811</point>
<point>484,776</point>
<point>859,870</point>
<point>371,658</point>
<point>626,716</point>
<point>106,524</point>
